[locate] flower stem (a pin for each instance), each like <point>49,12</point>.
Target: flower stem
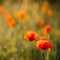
<point>44,55</point>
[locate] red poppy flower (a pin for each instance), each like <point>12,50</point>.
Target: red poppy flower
<point>12,24</point>
<point>47,29</point>
<point>21,15</point>
<point>30,35</point>
<point>1,10</point>
<point>8,17</point>
<point>44,45</point>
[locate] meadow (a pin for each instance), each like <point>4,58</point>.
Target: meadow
<point>20,16</point>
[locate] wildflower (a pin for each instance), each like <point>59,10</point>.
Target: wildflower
<point>12,24</point>
<point>47,29</point>
<point>21,15</point>
<point>44,9</point>
<point>42,22</point>
<point>44,44</point>
<point>30,35</point>
<point>8,17</point>
<point>1,10</point>
<point>50,12</point>
<point>43,38</point>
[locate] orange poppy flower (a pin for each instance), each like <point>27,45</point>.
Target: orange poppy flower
<point>31,36</point>
<point>42,22</point>
<point>43,38</point>
<point>12,24</point>
<point>47,29</point>
<point>44,45</point>
<point>50,12</point>
<point>8,17</point>
<point>1,10</point>
<point>44,9</point>
<point>21,15</point>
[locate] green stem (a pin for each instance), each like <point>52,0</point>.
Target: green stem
<point>43,55</point>
<point>47,55</point>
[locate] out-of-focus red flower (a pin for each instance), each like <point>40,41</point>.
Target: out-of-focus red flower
<point>43,38</point>
<point>8,17</point>
<point>44,9</point>
<point>31,36</point>
<point>50,12</point>
<point>21,15</point>
<point>1,10</point>
<point>44,45</point>
<point>12,24</point>
<point>47,29</point>
<point>42,22</point>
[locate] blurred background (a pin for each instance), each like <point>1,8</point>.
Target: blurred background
<point>13,46</point>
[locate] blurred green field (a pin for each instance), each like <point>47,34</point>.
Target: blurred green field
<point>13,46</point>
